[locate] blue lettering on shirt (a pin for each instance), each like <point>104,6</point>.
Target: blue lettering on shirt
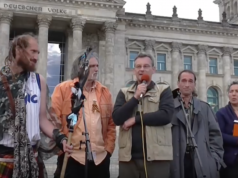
<point>31,99</point>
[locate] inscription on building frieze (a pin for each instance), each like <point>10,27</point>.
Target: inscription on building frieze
<point>32,8</point>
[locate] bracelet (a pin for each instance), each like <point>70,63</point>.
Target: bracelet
<point>59,138</point>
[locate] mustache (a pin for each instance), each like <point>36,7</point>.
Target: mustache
<point>95,74</point>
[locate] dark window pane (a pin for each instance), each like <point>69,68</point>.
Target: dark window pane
<point>161,62</point>
<point>133,55</point>
<point>213,65</point>
<point>213,99</point>
<point>161,58</point>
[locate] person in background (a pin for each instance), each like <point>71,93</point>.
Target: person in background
<point>228,119</point>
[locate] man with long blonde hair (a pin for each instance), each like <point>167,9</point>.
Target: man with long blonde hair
<point>24,112</point>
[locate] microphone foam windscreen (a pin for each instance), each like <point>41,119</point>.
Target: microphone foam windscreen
<point>145,77</point>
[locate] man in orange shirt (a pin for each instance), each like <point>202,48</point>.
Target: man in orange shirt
<point>98,115</point>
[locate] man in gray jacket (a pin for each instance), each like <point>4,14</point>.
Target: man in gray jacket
<point>204,128</point>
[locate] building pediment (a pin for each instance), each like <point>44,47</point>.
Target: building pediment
<point>189,49</point>
<point>162,47</point>
<point>214,51</point>
<point>135,45</point>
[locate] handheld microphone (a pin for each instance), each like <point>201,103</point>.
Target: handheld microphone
<point>145,78</point>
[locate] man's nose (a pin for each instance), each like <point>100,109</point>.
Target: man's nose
<point>36,56</point>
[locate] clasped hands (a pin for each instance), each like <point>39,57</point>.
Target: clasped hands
<point>141,89</point>
<point>129,123</point>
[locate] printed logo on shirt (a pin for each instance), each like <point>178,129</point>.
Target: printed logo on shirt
<point>31,99</point>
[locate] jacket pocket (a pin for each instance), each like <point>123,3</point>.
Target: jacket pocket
<point>164,135</point>
<point>123,138</point>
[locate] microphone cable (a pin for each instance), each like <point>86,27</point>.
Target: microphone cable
<point>143,138</point>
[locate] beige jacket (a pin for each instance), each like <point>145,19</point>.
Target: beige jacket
<point>158,139</point>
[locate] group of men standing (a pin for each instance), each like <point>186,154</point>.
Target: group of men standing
<point>157,126</point>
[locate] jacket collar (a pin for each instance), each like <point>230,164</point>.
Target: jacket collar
<point>196,104</point>
<point>97,85</point>
<point>151,90</point>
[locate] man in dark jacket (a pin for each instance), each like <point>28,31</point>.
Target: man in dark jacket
<point>204,128</point>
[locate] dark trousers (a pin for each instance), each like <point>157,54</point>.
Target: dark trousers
<point>75,170</point>
<point>135,169</point>
<point>230,171</point>
<point>189,170</point>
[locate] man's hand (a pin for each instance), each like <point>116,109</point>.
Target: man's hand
<point>129,123</point>
<point>141,89</point>
<point>67,148</point>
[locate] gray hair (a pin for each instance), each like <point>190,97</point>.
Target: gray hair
<point>75,68</point>
<point>143,55</point>
<point>232,83</point>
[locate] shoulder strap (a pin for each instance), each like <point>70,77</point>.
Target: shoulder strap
<point>38,80</point>
<point>9,93</point>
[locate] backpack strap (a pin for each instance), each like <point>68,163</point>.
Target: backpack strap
<point>9,94</point>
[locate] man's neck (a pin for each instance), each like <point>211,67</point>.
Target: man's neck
<point>15,69</point>
<point>89,84</point>
<point>186,99</point>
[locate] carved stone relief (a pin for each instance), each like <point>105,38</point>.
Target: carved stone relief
<point>90,40</point>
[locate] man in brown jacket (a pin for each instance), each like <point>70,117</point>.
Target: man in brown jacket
<point>145,139</point>
<point>98,114</point>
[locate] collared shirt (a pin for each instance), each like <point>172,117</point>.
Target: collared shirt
<point>94,126</point>
<point>189,111</point>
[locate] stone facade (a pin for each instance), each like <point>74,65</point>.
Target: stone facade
<point>115,35</point>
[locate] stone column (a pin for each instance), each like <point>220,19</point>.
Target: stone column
<point>202,66</point>
<point>101,53</point>
<point>43,23</point>
<point>77,25</point>
<point>68,54</point>
<point>227,72</point>
<point>176,47</point>
<point>109,28</point>
<point>5,21</point>
<point>149,45</point>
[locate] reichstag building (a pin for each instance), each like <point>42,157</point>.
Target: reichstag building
<point>65,27</point>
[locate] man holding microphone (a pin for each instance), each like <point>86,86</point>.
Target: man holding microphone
<point>144,111</point>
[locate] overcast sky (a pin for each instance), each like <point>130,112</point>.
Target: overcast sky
<point>185,8</point>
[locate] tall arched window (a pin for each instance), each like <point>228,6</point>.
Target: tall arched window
<point>213,98</point>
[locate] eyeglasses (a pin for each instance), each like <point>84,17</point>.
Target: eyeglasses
<point>146,67</point>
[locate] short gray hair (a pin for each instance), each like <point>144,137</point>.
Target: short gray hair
<point>75,68</point>
<point>232,83</point>
<point>143,55</point>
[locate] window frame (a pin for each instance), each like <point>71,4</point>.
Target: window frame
<point>165,62</point>
<point>216,108</point>
<point>128,56</point>
<point>184,55</point>
<point>235,58</point>
<point>217,61</point>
